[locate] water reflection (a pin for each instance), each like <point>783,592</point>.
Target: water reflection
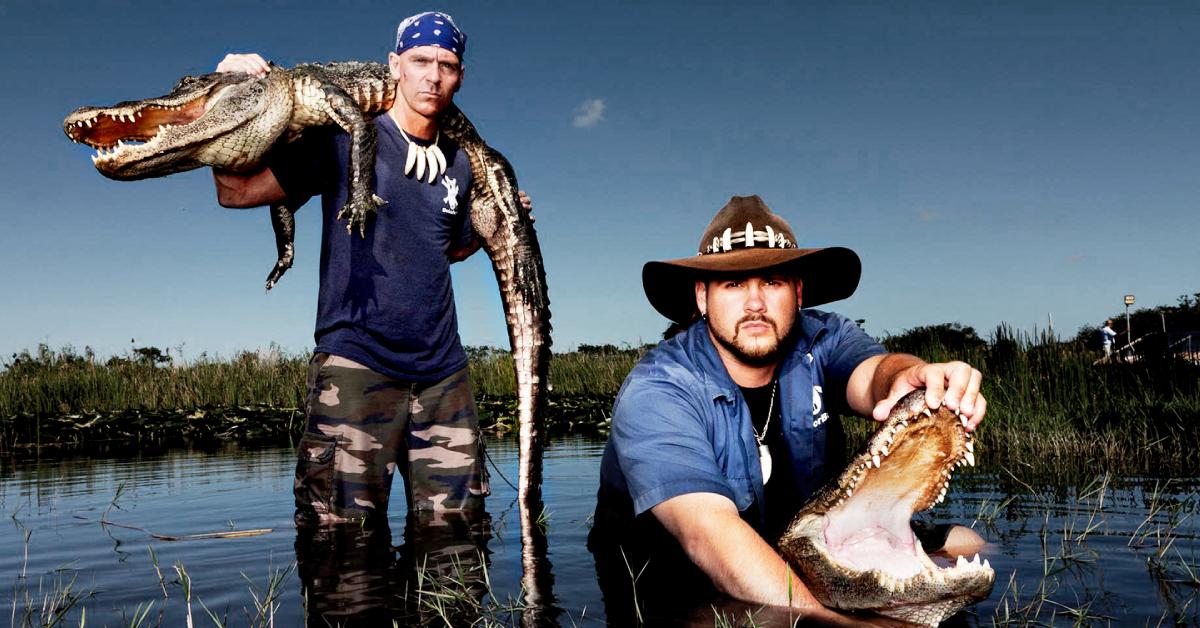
<point>354,576</point>
<point>1118,547</point>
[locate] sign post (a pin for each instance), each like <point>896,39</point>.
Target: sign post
<point>1128,329</point>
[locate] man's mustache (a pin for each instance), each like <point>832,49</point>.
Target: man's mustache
<point>755,318</point>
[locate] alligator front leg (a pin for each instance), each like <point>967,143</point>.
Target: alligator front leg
<point>361,200</point>
<point>283,223</point>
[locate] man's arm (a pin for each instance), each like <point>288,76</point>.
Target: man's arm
<point>723,545</point>
<point>880,381</point>
<point>247,190</point>
<point>256,188</point>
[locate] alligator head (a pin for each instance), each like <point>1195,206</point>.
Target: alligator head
<point>853,544</point>
<point>227,120</point>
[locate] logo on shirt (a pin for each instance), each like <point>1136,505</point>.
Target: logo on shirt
<point>819,417</point>
<point>451,199</point>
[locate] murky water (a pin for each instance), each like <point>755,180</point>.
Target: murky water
<point>1121,550</point>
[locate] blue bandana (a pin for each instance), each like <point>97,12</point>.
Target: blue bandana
<point>430,29</point>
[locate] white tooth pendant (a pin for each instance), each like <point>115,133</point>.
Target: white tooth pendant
<point>428,162</point>
<point>764,458</point>
<point>410,159</point>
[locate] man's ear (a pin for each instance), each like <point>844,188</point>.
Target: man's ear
<point>394,65</point>
<point>799,293</point>
<point>702,297</point>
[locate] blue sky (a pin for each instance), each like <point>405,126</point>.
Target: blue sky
<point>990,162</point>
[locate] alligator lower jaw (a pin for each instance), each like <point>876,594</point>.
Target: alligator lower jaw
<point>880,569</point>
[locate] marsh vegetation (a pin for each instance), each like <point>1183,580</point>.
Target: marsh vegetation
<point>1049,403</point>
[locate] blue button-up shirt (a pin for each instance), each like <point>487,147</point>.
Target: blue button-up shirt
<point>680,424</point>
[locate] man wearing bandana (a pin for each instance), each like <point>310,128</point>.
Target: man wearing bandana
<point>387,384</point>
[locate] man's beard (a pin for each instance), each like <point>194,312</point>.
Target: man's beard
<point>756,355</point>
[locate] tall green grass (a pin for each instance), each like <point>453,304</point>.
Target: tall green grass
<point>1047,399</point>
<point>1049,402</point>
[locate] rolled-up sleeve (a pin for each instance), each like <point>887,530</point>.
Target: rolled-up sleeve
<point>848,346</point>
<point>302,167</point>
<point>663,446</point>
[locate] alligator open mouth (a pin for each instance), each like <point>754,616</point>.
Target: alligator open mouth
<point>131,132</point>
<point>853,543</point>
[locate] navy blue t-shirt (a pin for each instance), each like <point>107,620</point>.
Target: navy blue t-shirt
<point>385,300</point>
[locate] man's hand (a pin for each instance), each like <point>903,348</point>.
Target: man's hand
<point>250,63</point>
<point>526,204</point>
<point>955,384</point>
<point>461,253</point>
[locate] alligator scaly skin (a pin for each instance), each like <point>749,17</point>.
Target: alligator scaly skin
<point>229,120</point>
<point>509,239</point>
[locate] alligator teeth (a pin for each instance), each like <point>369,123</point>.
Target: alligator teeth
<point>883,449</point>
<point>962,562</point>
<point>986,564</point>
<point>975,561</point>
<point>970,458</point>
<point>890,439</point>
<point>927,412</point>
<point>971,446</point>
<point>875,460</point>
<point>420,163</point>
<point>963,419</point>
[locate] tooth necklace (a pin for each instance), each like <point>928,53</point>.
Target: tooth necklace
<point>426,159</point>
<point>764,453</point>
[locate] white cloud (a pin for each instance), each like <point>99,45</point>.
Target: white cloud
<point>589,114</point>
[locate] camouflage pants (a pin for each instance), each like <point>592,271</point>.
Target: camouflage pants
<point>363,426</point>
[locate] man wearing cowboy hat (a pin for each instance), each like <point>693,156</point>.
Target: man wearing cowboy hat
<point>722,431</point>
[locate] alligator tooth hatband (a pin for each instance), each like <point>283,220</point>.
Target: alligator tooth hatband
<point>429,161</point>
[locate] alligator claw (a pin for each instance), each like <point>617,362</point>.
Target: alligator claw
<point>355,213</point>
<point>277,272</point>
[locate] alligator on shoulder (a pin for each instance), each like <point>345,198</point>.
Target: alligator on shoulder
<point>231,120</point>
<point>852,543</point>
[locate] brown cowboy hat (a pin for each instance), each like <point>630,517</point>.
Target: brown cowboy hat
<point>746,236</point>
